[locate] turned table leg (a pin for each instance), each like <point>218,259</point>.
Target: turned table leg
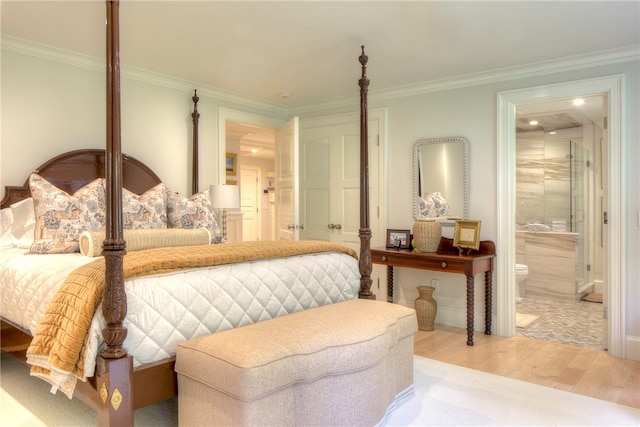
<point>487,302</point>
<point>470,306</point>
<point>389,283</point>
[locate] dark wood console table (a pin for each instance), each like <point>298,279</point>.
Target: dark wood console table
<point>447,259</point>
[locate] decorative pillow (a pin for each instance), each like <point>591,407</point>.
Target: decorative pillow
<point>6,219</point>
<point>432,205</point>
<point>145,211</point>
<point>24,223</point>
<point>193,212</point>
<point>61,218</point>
<point>138,240</point>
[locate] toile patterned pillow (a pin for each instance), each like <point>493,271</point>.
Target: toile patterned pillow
<point>193,212</point>
<point>148,210</point>
<point>432,205</point>
<point>61,217</point>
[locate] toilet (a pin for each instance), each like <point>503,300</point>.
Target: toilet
<point>521,274</point>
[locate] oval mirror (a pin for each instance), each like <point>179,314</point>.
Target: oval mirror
<point>440,165</point>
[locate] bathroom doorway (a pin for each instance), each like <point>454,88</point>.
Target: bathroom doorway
<point>557,167</point>
<point>612,240</point>
<point>557,246</point>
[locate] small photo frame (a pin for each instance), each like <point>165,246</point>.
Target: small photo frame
<point>230,163</point>
<point>467,234</point>
<point>399,239</point>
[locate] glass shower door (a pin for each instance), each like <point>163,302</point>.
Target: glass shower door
<point>580,168</point>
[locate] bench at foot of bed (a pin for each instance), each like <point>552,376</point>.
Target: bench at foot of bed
<point>339,364</point>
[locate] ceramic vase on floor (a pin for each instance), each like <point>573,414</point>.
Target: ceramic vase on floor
<point>426,308</point>
<point>427,235</point>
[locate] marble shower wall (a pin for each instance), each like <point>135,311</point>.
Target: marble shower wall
<point>543,185</point>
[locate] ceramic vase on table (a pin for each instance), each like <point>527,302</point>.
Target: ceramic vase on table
<point>427,235</point>
<point>426,308</point>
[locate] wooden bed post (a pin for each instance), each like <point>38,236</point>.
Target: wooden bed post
<point>194,117</point>
<point>114,370</point>
<point>365,262</point>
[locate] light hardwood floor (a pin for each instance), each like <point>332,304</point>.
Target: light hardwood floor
<point>578,370</point>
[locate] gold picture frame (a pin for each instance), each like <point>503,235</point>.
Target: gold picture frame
<point>467,234</point>
<point>230,163</point>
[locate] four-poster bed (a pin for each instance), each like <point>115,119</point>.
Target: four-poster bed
<point>120,383</point>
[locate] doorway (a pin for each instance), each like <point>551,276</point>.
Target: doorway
<point>252,138</point>
<point>558,239</point>
<point>613,250</point>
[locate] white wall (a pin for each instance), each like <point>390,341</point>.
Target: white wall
<point>471,112</point>
<point>50,107</point>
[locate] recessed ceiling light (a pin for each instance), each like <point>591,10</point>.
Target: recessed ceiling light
<point>552,133</point>
<point>533,122</point>
<point>578,101</point>
<point>254,150</point>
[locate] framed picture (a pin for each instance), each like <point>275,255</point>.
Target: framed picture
<point>399,239</point>
<point>467,234</point>
<point>230,163</point>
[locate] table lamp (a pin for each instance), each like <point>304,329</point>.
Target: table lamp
<point>224,197</point>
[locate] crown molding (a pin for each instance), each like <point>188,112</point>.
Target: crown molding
<point>577,62</point>
<point>596,59</point>
<point>64,56</point>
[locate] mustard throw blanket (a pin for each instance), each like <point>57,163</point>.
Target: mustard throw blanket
<point>57,351</point>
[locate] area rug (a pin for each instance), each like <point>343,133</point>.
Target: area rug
<point>443,394</point>
<point>450,395</point>
<point>524,320</point>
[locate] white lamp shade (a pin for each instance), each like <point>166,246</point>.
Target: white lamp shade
<point>224,196</point>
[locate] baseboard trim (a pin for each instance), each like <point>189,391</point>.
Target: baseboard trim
<point>632,348</point>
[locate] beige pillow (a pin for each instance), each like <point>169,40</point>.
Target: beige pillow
<point>61,217</point>
<point>138,240</point>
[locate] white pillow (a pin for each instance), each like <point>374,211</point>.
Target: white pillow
<point>6,219</point>
<point>24,222</point>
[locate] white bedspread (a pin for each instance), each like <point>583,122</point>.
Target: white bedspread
<point>164,310</point>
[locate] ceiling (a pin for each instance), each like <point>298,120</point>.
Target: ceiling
<point>294,53</point>
<point>254,140</point>
<point>309,49</point>
<point>560,114</point>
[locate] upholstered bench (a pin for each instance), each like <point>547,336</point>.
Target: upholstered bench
<point>339,364</point>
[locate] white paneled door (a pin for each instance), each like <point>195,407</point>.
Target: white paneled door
<point>330,181</point>
<point>286,165</point>
<point>250,202</point>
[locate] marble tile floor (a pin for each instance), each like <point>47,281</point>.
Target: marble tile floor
<point>574,323</point>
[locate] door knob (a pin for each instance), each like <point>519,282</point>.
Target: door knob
<point>338,226</point>
<point>331,226</point>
